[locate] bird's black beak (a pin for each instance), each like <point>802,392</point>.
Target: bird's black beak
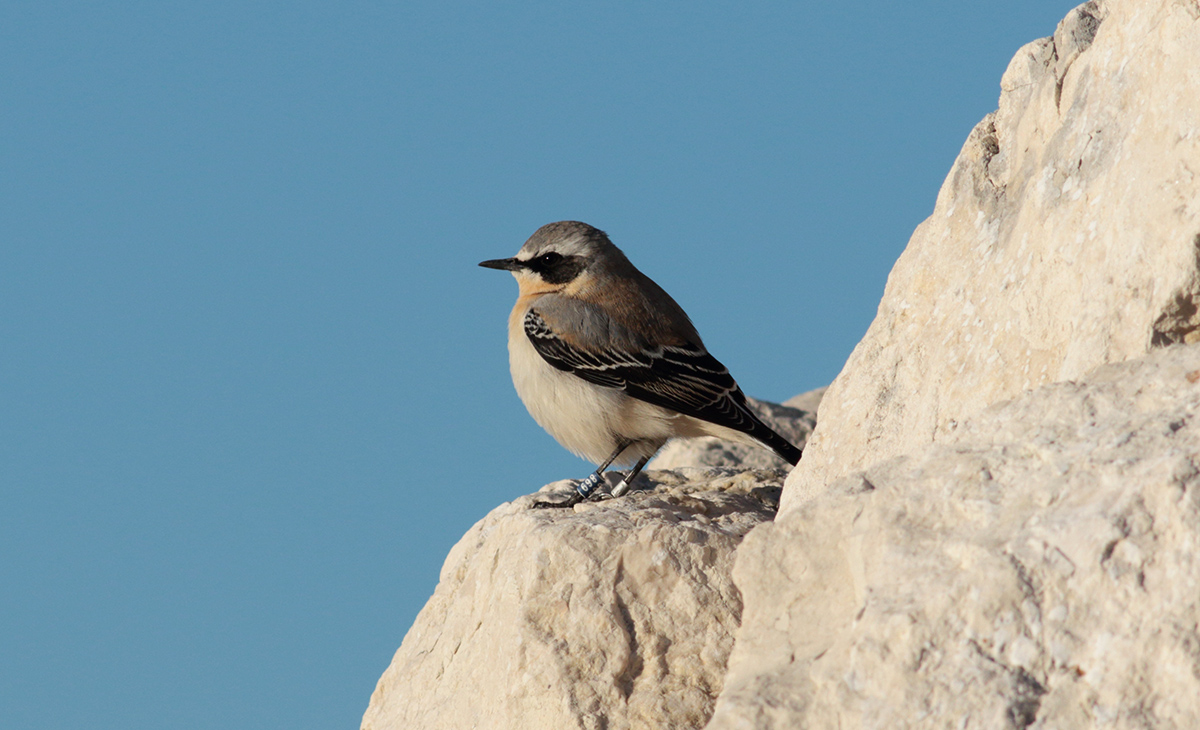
<point>502,264</point>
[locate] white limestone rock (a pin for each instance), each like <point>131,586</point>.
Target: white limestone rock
<point>618,614</point>
<point>1066,236</point>
<point>794,420</point>
<point>1040,567</point>
<point>936,564</point>
<point>1032,565</point>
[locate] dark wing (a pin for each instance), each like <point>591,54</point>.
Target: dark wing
<point>685,379</point>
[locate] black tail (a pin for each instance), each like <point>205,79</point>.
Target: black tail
<point>767,436</point>
<point>744,419</point>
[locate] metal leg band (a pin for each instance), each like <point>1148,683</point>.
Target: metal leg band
<point>587,486</point>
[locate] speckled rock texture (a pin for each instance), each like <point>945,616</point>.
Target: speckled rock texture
<point>1038,568</point>
<point>794,420</point>
<point>617,614</point>
<point>1066,236</point>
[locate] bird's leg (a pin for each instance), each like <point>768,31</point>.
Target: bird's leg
<point>625,483</point>
<point>587,486</point>
<point>584,489</point>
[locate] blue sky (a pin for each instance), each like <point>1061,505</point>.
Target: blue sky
<point>253,385</point>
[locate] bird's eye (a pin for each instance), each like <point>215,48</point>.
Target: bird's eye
<point>549,259</point>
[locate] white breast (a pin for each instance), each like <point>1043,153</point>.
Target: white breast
<point>586,419</point>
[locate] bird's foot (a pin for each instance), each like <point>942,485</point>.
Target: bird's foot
<point>571,500</point>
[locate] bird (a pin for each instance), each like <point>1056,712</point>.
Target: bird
<point>609,364</point>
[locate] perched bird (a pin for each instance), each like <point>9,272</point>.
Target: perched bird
<point>608,363</point>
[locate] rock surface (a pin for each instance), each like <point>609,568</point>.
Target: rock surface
<point>996,522</point>
<point>1033,565</point>
<point>618,614</point>
<point>1040,567</point>
<point>1066,236</point>
<point>794,420</point>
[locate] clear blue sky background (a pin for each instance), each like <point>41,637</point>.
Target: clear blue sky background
<point>253,385</point>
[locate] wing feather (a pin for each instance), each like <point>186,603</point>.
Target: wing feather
<point>685,378</point>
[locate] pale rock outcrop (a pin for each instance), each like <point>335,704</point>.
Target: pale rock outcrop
<point>969,542</point>
<point>934,565</point>
<point>1040,567</point>
<point>794,420</point>
<point>617,614</point>
<point>1066,236</point>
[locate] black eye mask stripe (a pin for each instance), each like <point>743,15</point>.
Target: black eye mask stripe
<point>556,269</point>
